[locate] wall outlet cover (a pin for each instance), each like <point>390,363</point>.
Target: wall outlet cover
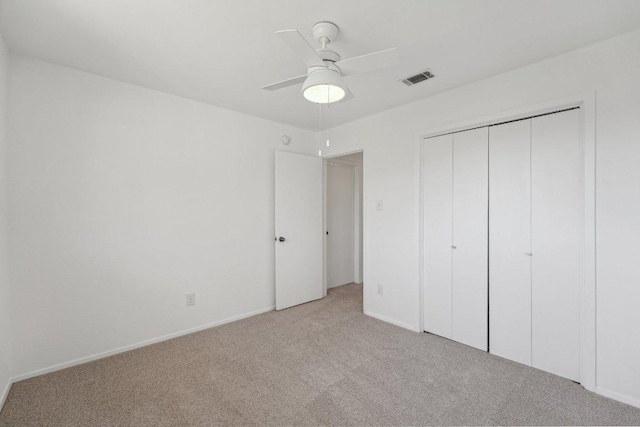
<point>191,299</point>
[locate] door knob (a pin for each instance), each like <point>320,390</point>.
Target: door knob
<point>528,253</point>
<point>454,247</point>
<point>282,239</point>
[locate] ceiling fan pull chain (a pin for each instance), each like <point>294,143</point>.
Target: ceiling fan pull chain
<point>327,120</point>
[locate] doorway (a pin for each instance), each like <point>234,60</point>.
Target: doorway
<point>319,226</point>
<point>343,220</point>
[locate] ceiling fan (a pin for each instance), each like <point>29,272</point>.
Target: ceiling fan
<point>324,83</point>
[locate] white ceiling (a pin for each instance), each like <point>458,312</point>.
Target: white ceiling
<point>222,51</point>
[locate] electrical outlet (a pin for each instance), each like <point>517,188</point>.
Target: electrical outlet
<point>380,290</point>
<point>379,205</point>
<point>191,299</point>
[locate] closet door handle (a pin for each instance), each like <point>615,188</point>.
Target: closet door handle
<point>454,247</point>
<point>528,253</point>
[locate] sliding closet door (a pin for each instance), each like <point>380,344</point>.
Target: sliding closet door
<point>470,222</point>
<point>556,235</point>
<point>437,185</point>
<point>509,241</point>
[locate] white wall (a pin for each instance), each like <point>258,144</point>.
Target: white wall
<point>611,68</point>
<point>122,201</point>
<point>5,332</point>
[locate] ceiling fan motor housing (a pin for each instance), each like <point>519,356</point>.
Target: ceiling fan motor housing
<point>327,31</point>
<point>328,55</point>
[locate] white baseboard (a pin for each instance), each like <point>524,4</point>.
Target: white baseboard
<point>618,396</point>
<point>108,353</point>
<point>393,322</point>
<point>5,393</point>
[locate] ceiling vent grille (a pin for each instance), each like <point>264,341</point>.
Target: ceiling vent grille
<point>420,77</point>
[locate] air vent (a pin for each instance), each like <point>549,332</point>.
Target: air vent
<point>420,77</point>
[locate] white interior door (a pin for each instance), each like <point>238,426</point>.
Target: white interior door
<point>340,225</point>
<point>556,224</point>
<point>470,235</point>
<point>298,227</point>
<point>438,195</point>
<point>510,240</point>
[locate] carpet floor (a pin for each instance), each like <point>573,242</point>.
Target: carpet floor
<point>322,363</point>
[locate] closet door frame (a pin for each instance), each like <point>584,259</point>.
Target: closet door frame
<point>587,103</point>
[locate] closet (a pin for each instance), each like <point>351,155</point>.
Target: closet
<point>507,200</point>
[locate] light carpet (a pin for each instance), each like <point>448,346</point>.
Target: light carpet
<point>322,363</point>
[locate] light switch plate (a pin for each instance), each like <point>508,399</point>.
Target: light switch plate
<point>191,299</point>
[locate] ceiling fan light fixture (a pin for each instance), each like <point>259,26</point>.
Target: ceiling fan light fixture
<point>324,86</point>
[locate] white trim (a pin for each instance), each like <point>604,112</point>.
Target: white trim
<point>586,101</point>
<point>324,228</point>
<point>5,393</point>
<point>356,224</point>
<point>346,153</point>
<point>108,353</point>
<point>364,232</point>
<point>392,321</point>
<point>619,397</point>
<point>567,102</point>
<point>588,303</point>
<point>335,162</point>
<point>420,215</point>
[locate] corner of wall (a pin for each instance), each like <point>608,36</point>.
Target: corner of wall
<point>5,329</point>
<point>4,394</point>
<point>413,328</point>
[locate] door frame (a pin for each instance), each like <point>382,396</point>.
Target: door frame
<point>356,212</point>
<point>586,102</point>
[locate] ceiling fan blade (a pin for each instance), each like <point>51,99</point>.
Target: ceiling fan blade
<point>285,83</point>
<point>369,62</point>
<point>347,96</point>
<point>299,45</point>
